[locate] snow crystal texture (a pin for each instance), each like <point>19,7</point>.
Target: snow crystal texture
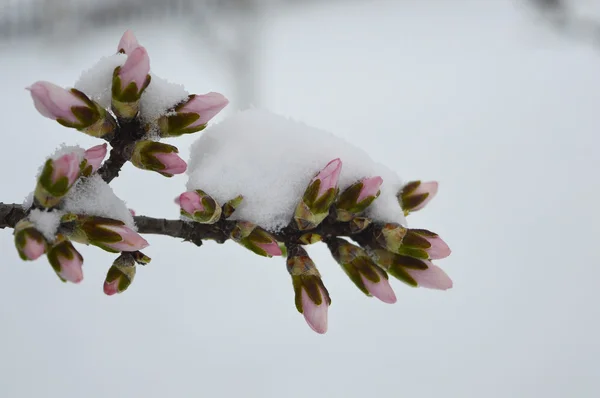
<point>96,82</point>
<point>270,160</point>
<point>92,196</point>
<point>47,222</point>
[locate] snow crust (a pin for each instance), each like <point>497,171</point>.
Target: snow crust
<point>96,82</point>
<point>92,196</point>
<point>160,96</point>
<point>270,159</point>
<point>47,222</point>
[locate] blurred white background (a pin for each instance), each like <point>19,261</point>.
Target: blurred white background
<point>482,96</point>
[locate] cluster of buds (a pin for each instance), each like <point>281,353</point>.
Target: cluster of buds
<point>384,248</point>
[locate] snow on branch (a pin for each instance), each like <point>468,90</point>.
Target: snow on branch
<point>268,183</point>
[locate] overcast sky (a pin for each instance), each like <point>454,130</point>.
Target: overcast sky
<point>474,94</point>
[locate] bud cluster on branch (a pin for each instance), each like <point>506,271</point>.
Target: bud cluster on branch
<point>368,250</point>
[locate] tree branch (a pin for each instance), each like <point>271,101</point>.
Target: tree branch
<point>194,232</point>
<point>126,135</point>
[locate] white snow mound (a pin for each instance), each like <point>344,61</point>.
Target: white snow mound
<point>92,196</point>
<point>270,159</point>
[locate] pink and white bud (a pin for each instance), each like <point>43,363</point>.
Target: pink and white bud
<point>272,248</point>
<point>382,289</point>
<point>328,177</point>
<point>315,315</point>
<point>370,188</point>
<point>33,248</point>
<point>132,212</point>
<point>172,162</point>
<point>439,249</point>
<point>95,155</point>
<point>55,102</point>
<point>206,106</point>
<point>190,202</point>
<point>30,242</point>
<point>431,278</point>
<point>66,166</point>
<point>136,69</point>
<point>128,43</point>
<point>416,194</point>
<point>130,240</point>
<point>66,261</point>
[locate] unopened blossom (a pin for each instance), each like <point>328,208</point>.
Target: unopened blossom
<point>318,197</point>
<point>311,297</point>
<point>66,261</point>
<point>158,157</point>
<point>192,115</point>
<point>94,158</point>
<point>416,194</point>
<point>72,108</point>
<point>199,206</point>
<point>30,242</point>
<point>256,239</point>
<point>357,197</point>
<point>57,178</point>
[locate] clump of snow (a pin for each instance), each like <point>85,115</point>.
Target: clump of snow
<point>160,96</point>
<point>96,82</point>
<point>47,222</point>
<point>64,149</point>
<point>270,160</point>
<point>92,196</point>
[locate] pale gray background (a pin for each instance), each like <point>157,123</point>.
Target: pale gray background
<point>498,108</point>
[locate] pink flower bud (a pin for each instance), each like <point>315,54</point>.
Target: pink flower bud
<point>136,69</point>
<point>431,278</point>
<point>382,289</point>
<point>439,249</point>
<point>55,102</point>
<point>29,241</point>
<point>272,248</point>
<point>190,202</point>
<point>370,188</point>
<point>172,162</point>
<point>128,42</point>
<point>33,248</point>
<point>130,240</point>
<point>328,176</point>
<point>206,106</point>
<point>66,261</point>
<point>132,212</point>
<point>95,155</point>
<point>315,315</point>
<point>416,194</point>
<point>66,166</point>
